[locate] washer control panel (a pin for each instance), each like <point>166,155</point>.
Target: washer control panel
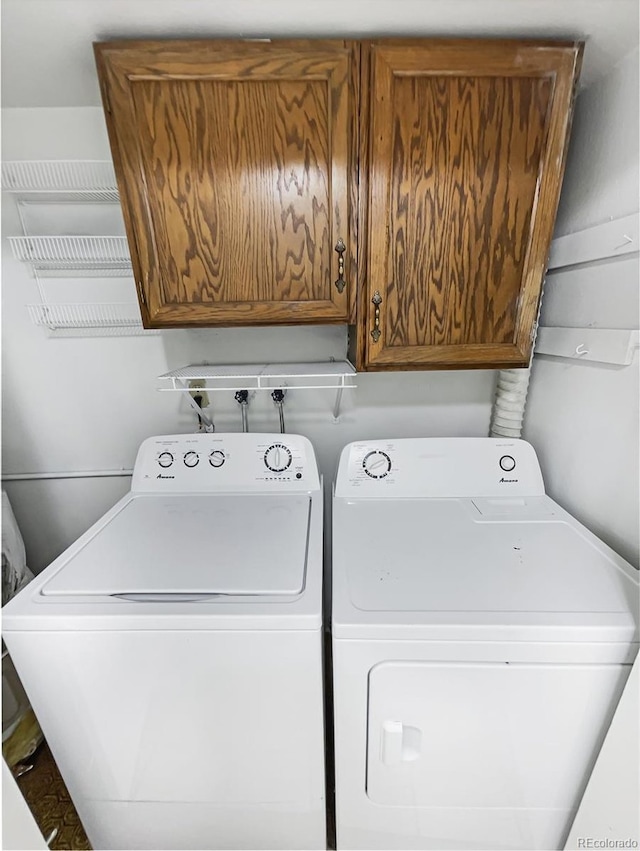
<point>210,463</point>
<point>439,467</point>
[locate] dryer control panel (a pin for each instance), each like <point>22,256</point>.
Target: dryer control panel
<point>213,463</point>
<point>439,467</point>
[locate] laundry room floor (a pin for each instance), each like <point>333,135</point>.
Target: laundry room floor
<point>50,803</point>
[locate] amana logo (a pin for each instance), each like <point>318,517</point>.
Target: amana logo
<point>508,480</point>
<point>160,476</point>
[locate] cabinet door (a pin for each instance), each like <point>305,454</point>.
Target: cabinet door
<point>233,168</point>
<point>466,149</point>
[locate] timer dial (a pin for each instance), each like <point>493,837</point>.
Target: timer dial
<point>191,459</point>
<point>376,464</point>
<point>217,458</point>
<point>277,458</point>
<point>165,459</point>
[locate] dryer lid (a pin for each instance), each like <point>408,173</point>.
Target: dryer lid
<point>465,564</point>
<point>434,555</point>
<point>193,545</point>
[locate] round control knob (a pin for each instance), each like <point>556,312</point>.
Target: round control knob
<point>165,459</point>
<point>507,463</point>
<point>191,459</point>
<point>217,458</point>
<point>277,458</point>
<point>376,464</point>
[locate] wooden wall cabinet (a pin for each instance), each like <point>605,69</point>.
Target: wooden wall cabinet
<point>435,164</point>
<point>464,144</point>
<point>233,161</point>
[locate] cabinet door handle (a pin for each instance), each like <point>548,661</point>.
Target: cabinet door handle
<point>377,301</point>
<point>340,248</point>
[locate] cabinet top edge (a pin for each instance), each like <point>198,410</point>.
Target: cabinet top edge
<point>168,44</point>
<point>328,41</point>
<point>515,44</point>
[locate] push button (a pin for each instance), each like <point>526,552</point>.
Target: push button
<point>507,463</point>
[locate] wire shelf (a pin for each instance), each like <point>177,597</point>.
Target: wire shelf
<point>323,375</point>
<point>92,271</point>
<point>59,253</point>
<point>328,375</point>
<point>86,316</point>
<point>37,182</point>
<point>81,180</point>
<point>99,331</point>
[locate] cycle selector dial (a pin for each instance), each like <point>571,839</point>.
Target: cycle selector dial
<point>165,459</point>
<point>217,458</point>
<point>191,459</point>
<point>278,458</point>
<point>376,464</point>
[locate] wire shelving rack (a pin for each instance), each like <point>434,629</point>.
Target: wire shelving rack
<point>72,256</point>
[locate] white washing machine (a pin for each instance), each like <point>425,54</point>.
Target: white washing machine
<point>173,654</point>
<point>481,640</point>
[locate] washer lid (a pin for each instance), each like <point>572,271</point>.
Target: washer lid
<point>193,545</point>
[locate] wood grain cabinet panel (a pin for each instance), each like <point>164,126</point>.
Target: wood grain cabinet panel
<point>234,167</point>
<point>465,149</point>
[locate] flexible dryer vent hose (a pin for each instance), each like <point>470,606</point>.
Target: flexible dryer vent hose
<point>508,407</point>
<point>507,415</point>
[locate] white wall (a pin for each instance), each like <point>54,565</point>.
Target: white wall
<point>86,404</point>
<point>609,807</point>
<point>47,58</point>
<point>603,171</point>
<point>583,417</point>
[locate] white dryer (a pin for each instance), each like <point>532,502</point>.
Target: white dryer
<point>481,640</point>
<point>173,654</point>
